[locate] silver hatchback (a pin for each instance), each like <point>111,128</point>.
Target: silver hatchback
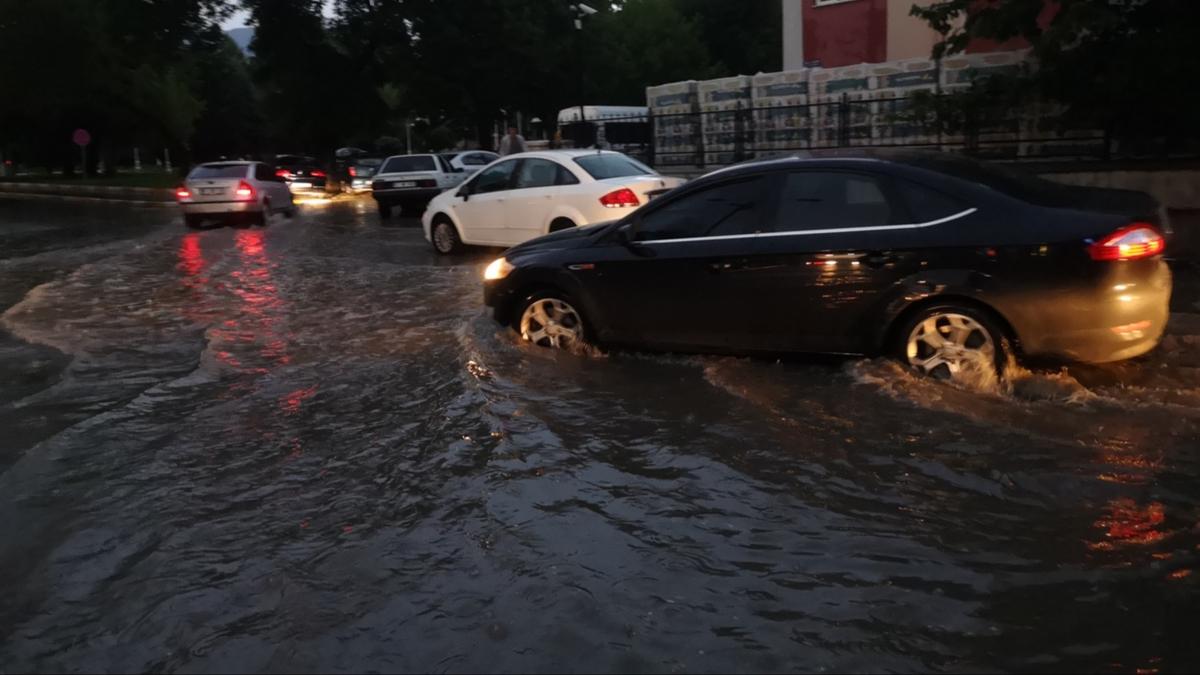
<point>229,190</point>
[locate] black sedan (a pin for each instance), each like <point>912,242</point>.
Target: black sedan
<point>948,263</point>
<point>300,172</point>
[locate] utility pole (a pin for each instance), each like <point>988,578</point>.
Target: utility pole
<point>581,10</point>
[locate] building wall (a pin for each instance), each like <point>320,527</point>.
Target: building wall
<point>845,32</point>
<point>907,36</point>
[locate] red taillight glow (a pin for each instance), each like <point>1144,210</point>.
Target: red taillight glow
<point>283,173</point>
<point>317,173</point>
<point>1139,240</point>
<point>244,191</point>
<point>183,193</point>
<point>353,172</point>
<point>620,198</point>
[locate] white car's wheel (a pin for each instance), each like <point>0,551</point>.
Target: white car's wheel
<point>445,236</point>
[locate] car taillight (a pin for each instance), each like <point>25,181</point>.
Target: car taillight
<point>283,173</point>
<point>1138,240</point>
<point>353,172</point>
<point>317,173</point>
<point>427,183</point>
<point>183,193</point>
<point>244,191</point>
<point>619,198</point>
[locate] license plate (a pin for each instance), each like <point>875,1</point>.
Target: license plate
<point>301,184</point>
<point>211,191</point>
<point>405,183</point>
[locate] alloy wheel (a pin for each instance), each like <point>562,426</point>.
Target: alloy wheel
<point>550,322</point>
<point>443,237</point>
<point>948,345</point>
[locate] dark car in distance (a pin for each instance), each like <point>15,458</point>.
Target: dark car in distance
<point>300,172</point>
<point>945,262</point>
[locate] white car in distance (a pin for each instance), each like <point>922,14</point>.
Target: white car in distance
<point>228,190</point>
<point>526,195</point>
<point>410,181</point>
<point>470,161</point>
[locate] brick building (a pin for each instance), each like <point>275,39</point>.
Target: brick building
<point>834,33</point>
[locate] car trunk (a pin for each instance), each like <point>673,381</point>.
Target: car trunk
<point>1137,206</point>
<point>213,189</point>
<point>406,180</point>
<point>645,187</point>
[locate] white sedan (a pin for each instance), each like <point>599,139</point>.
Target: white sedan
<point>232,189</point>
<point>526,195</point>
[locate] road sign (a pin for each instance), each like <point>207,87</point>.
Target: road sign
<point>81,138</point>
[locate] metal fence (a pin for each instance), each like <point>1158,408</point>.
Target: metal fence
<point>708,139</point>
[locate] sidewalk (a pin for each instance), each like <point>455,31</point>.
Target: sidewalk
<point>142,195</point>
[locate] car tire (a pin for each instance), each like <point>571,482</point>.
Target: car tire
<point>385,209</point>
<point>444,236</point>
<point>262,218</point>
<point>561,224</point>
<point>953,341</point>
<point>193,221</point>
<point>289,212</point>
<point>551,319</point>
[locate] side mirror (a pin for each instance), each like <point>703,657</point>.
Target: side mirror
<point>464,192</point>
<point>627,236</point>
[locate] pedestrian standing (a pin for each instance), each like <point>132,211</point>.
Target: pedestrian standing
<point>512,143</point>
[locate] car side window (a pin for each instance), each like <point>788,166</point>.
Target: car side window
<point>721,210</point>
<point>565,177</point>
<point>443,165</point>
<point>817,200</point>
<point>475,160</point>
<point>536,173</point>
<point>494,179</point>
<point>926,204</point>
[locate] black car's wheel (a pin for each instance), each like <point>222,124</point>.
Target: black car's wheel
<point>192,221</point>
<point>385,209</point>
<point>550,319</point>
<point>954,342</point>
<point>561,224</point>
<point>289,212</point>
<point>445,236</point>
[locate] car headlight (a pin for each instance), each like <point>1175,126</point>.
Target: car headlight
<point>497,270</point>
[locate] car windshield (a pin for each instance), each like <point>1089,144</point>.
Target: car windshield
<point>219,171</point>
<point>409,163</point>
<point>612,166</point>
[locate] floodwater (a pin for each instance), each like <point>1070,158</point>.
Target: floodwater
<point>308,448</point>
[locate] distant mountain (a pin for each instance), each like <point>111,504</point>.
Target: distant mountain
<point>242,36</point>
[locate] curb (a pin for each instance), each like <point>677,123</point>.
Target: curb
<point>83,198</point>
<point>77,190</point>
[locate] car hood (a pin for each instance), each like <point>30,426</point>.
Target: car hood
<point>575,237</point>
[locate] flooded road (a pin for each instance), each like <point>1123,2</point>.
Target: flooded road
<point>307,448</point>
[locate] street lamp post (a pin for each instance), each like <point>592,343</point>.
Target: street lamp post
<point>581,10</point>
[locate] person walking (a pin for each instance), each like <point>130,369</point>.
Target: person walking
<point>512,143</point>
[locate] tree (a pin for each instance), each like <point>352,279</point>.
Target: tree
<point>1125,66</point>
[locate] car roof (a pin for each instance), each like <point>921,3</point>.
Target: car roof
<point>415,154</point>
<point>234,162</point>
<point>559,154</point>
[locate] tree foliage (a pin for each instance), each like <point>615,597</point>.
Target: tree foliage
<point>161,74</point>
<point>1126,66</point>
